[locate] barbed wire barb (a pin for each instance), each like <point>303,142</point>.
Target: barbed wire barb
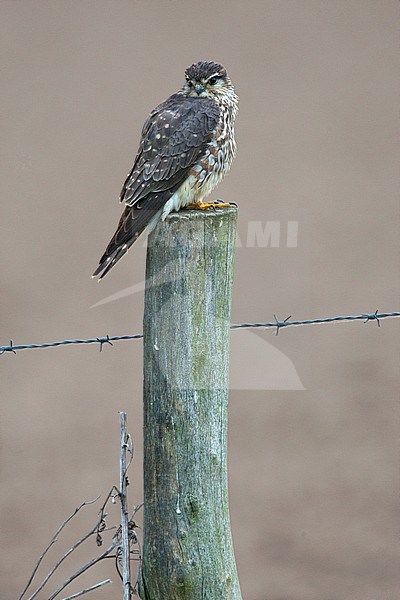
<point>276,324</point>
<point>373,317</point>
<point>280,324</point>
<point>9,348</point>
<point>104,340</point>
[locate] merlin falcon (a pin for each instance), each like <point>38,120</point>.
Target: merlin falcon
<point>186,148</point>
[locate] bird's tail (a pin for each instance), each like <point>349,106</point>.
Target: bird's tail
<point>132,223</point>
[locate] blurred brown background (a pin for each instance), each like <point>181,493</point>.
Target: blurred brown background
<point>313,471</point>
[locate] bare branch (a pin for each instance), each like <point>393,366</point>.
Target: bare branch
<point>124,538</point>
<point>94,530</point>
<point>53,540</point>
<point>89,589</point>
<point>84,568</point>
<point>123,482</point>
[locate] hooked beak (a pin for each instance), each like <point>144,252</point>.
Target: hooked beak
<point>199,88</point>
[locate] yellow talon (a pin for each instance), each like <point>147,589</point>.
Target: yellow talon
<point>206,205</point>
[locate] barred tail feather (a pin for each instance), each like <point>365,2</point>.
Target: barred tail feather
<point>133,222</point>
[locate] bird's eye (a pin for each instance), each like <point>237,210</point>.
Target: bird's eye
<point>213,80</point>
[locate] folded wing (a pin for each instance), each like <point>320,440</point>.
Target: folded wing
<point>174,137</point>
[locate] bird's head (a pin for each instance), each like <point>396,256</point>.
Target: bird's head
<point>207,80</point>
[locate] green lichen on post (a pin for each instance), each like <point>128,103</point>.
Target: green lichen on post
<point>187,551</point>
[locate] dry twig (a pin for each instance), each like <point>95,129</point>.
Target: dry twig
<point>53,540</point>
<point>125,445</point>
<point>89,589</point>
<point>123,539</point>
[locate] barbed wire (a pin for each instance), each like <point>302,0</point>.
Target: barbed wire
<point>276,324</point>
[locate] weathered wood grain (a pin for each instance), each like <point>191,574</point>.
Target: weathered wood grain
<point>188,551</point>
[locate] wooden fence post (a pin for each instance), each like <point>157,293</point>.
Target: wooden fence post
<point>187,547</point>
